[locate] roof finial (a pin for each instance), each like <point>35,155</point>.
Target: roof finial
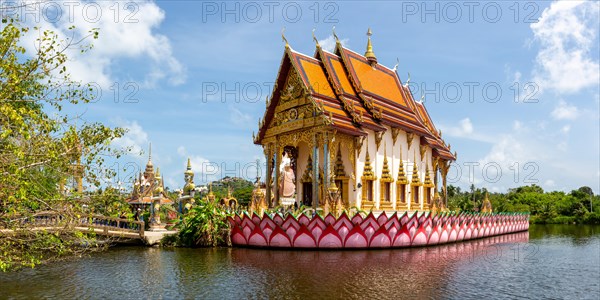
<point>335,35</point>
<point>396,65</point>
<point>422,98</point>
<point>315,38</point>
<point>287,45</point>
<point>369,54</point>
<point>407,80</point>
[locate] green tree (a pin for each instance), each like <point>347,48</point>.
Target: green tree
<point>40,146</point>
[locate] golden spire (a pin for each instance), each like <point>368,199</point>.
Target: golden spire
<point>188,169</point>
<point>149,155</point>
<point>158,189</point>
<point>427,182</point>
<point>401,174</point>
<point>368,170</point>
<point>415,181</point>
<point>369,54</point>
<point>339,164</point>
<point>385,172</point>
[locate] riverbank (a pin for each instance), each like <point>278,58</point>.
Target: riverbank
<point>585,219</point>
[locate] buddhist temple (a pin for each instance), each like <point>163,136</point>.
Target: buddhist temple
<point>148,188</point>
<point>342,123</point>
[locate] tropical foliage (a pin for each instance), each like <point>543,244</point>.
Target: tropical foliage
<point>204,225</point>
<point>545,207</point>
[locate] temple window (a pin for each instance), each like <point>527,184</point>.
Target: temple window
<point>415,194</point>
<point>401,193</point>
<point>369,190</point>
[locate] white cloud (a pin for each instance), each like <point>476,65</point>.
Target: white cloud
<point>567,32</point>
<point>181,151</point>
<point>549,183</point>
<point>565,111</point>
<point>126,33</point>
<point>204,169</point>
<point>239,118</point>
<point>328,44</point>
<point>517,125</point>
<point>506,152</point>
<point>135,139</point>
<point>565,129</point>
<point>464,128</point>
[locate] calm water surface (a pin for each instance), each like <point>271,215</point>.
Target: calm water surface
<point>554,261</point>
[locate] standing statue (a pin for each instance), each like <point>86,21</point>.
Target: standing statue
<point>287,183</point>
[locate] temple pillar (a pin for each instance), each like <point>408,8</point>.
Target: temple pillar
<point>444,167</point>
<point>269,174</point>
<point>325,165</point>
<point>276,181</point>
<point>315,177</point>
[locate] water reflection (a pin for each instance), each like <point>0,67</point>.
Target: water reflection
<point>420,272</point>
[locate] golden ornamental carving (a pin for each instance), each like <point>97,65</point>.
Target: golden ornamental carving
<point>339,164</point>
<point>329,119</point>
<point>347,142</point>
<point>422,149</point>
<point>444,167</point>
<point>307,176</point>
<point>401,173</point>
<point>368,173</point>
<point>359,143</point>
<point>378,113</point>
<point>386,175</point>
<point>415,180</point>
<point>409,138</point>
<point>378,138</point>
<point>294,88</point>
<point>349,107</point>
<point>395,132</point>
<point>427,182</point>
<point>368,103</point>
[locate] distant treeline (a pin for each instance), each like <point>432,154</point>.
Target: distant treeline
<point>579,206</point>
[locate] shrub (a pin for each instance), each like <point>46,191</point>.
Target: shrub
<point>205,225</point>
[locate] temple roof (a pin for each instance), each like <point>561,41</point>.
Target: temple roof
<point>355,93</point>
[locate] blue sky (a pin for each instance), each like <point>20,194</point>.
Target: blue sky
<point>198,74</point>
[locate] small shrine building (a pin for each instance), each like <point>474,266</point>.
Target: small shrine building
<point>343,121</point>
<point>148,188</point>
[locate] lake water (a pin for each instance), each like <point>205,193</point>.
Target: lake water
<point>550,261</point>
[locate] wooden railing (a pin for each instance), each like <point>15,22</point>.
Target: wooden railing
<point>109,225</point>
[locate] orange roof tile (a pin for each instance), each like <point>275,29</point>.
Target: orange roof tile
<point>346,86</point>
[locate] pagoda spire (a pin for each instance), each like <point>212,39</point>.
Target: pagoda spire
<point>369,54</point>
<point>149,166</point>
